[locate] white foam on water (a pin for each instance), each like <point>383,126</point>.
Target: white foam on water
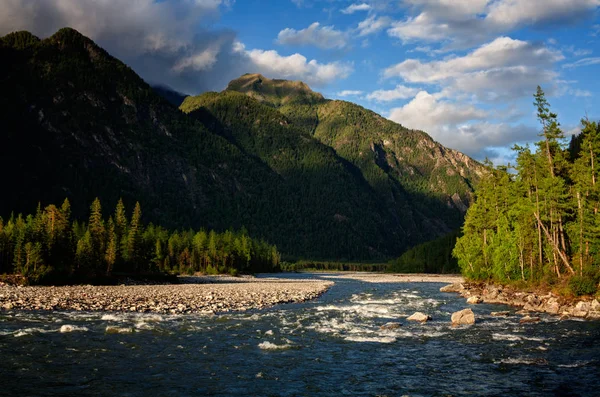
<point>31,331</point>
<point>72,328</point>
<point>521,361</point>
<point>509,337</point>
<point>377,339</point>
<point>434,334</point>
<point>112,317</point>
<point>266,345</point>
<point>514,337</point>
<point>576,364</point>
<point>370,311</point>
<point>151,318</point>
<point>143,325</point>
<point>118,330</point>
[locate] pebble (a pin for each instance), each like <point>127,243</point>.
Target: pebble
<point>228,294</point>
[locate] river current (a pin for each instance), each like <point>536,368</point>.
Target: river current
<point>332,346</point>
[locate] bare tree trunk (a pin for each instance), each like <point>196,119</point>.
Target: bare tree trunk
<point>555,247</point>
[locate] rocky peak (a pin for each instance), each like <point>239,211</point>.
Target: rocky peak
<point>274,91</point>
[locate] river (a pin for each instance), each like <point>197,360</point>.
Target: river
<point>328,347</point>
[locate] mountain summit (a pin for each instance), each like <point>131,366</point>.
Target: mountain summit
<point>273,91</point>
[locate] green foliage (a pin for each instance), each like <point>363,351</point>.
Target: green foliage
<point>305,265</point>
<point>430,257</point>
<point>47,247</point>
<point>579,286</point>
<point>539,223</point>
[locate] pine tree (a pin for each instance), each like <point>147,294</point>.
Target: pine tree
<point>110,255</point>
<point>134,237</point>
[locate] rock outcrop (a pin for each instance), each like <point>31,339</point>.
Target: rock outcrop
<point>420,317</point>
<point>528,302</point>
<point>529,319</point>
<point>474,300</point>
<point>388,326</point>
<point>463,317</point>
<point>455,287</point>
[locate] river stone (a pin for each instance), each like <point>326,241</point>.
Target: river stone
<point>456,287</point>
<point>473,300</point>
<point>465,316</point>
<point>418,316</point>
<point>390,326</point>
<point>528,319</point>
<point>594,309</point>
<point>581,309</point>
<point>501,314</point>
<point>551,306</point>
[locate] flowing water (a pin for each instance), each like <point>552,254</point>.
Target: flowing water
<point>328,347</point>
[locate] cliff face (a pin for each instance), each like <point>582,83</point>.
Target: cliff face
<point>321,179</point>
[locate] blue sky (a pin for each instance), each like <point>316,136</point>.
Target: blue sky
<point>462,70</point>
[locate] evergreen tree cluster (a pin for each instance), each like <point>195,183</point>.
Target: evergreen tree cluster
<point>49,246</point>
<point>538,222</point>
<point>307,265</point>
<point>430,257</point>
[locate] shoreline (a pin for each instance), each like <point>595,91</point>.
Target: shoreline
<point>194,294</point>
<point>529,302</point>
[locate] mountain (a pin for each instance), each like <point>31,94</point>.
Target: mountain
<point>421,189</point>
<point>176,98</point>
<point>321,179</point>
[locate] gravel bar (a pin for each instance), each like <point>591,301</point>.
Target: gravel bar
<point>218,296</point>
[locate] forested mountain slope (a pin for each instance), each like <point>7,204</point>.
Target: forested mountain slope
<point>421,187</point>
<point>321,179</point>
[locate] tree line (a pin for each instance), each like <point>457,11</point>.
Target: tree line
<point>537,222</point>
<point>50,247</point>
<point>431,257</point>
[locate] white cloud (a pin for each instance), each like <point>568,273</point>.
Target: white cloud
<point>297,67</point>
<point>140,26</point>
<point>503,51</point>
<point>580,93</point>
<point>347,93</point>
<point>583,62</point>
<point>428,113</point>
<point>351,9</point>
<point>400,92</point>
<point>458,125</point>
<point>504,68</point>
<point>204,60</point>
<point>373,24</point>
<point>164,41</point>
<point>510,14</point>
<point>320,36</point>
<point>467,22</point>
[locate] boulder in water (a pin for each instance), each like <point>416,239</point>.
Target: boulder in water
<point>463,317</point>
<point>456,287</point>
<point>418,316</point>
<point>505,313</point>
<point>474,300</point>
<point>529,319</point>
<point>551,306</point>
<point>581,309</point>
<point>387,326</point>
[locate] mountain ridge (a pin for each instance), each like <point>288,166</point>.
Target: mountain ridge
<point>313,176</point>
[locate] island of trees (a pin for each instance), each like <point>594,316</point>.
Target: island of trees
<point>537,223</point>
<point>50,247</point>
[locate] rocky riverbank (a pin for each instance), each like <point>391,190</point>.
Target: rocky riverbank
<point>529,301</point>
<point>200,295</point>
